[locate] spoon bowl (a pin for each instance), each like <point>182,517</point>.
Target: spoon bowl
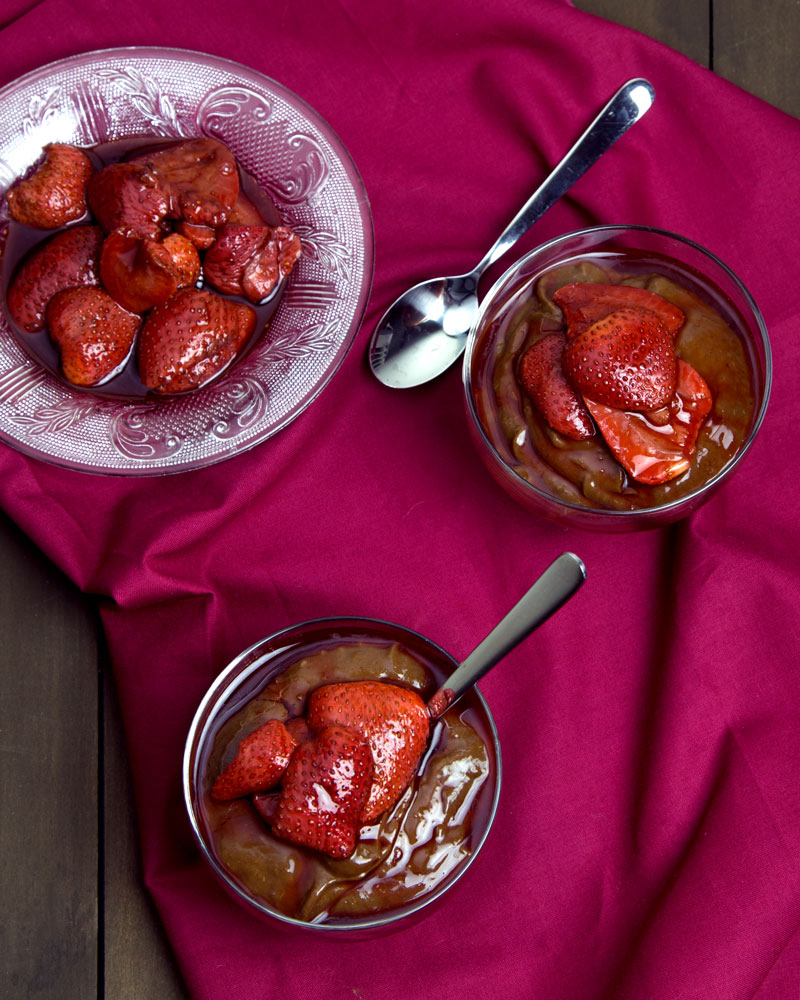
<point>425,331</point>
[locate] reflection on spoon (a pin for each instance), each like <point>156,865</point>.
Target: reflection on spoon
<point>426,329</point>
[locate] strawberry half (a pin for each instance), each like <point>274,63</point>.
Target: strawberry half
<point>394,721</point>
<point>324,790</point>
<point>141,273</point>
<point>92,332</point>
<point>651,452</point>
<point>260,762</point>
<point>542,377</point>
<point>191,337</point>
<point>56,193</point>
<point>66,260</point>
<point>128,196</point>
<point>250,260</point>
<point>584,303</point>
<point>626,360</point>
<point>199,178</point>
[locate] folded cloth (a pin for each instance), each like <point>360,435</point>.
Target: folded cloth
<point>647,842</point>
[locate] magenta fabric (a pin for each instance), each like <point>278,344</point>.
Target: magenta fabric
<point>647,843</point>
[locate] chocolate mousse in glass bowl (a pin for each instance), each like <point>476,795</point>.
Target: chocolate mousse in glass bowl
<point>615,377</point>
<point>299,697</point>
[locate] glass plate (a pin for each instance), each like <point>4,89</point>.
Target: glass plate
<point>300,163</point>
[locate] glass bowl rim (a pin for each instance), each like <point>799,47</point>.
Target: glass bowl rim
<point>221,685</point>
<point>644,513</point>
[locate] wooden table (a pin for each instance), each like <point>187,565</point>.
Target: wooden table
<point>77,922</point>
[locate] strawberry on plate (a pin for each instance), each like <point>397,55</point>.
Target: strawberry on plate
<point>656,452</point>
<point>394,720</point>
<point>260,762</point>
<point>625,360</point>
<point>139,273</point>
<point>92,332</point>
<point>128,196</point>
<point>250,260</point>
<point>542,377</point>
<point>324,791</point>
<point>55,194</point>
<point>584,303</point>
<point>66,260</point>
<point>191,337</point>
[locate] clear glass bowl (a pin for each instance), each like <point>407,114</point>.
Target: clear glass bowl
<point>242,681</point>
<point>700,273</point>
<point>297,160</point>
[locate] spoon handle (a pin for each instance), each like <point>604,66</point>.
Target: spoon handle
<point>553,589</point>
<point>627,106</point>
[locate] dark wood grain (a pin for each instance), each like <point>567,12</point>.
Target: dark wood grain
<point>49,842</point>
<point>756,47</point>
<point>684,25</point>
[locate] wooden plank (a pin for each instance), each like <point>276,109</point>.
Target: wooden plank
<point>684,25</point>
<point>138,962</point>
<point>48,793</point>
<point>756,47</point>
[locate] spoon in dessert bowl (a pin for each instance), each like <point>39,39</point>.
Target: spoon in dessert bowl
<point>425,330</point>
<point>559,582</point>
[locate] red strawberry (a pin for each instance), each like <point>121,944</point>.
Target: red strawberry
<point>245,213</point>
<point>199,177</point>
<point>542,377</point>
<point>626,361</point>
<point>128,196</point>
<point>66,260</point>
<point>260,761</point>
<point>393,719</point>
<point>324,791</point>
<point>190,338</point>
<point>201,236</point>
<point>140,273</point>
<point>56,193</point>
<point>653,452</point>
<point>250,260</point>
<point>93,333</point>
<point>583,303</point>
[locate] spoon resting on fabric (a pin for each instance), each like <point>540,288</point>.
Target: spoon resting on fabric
<point>425,330</point>
<point>551,591</point>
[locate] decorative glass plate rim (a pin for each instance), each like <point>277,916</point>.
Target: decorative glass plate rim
<point>360,208</point>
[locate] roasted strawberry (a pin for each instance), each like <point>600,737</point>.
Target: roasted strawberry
<point>324,791</point>
<point>250,260</point>
<point>584,303</point>
<point>199,177</point>
<point>393,719</point>
<point>141,273</point>
<point>201,236</point>
<point>653,452</point>
<point>190,338</point>
<point>245,213</point>
<point>260,761</point>
<point>92,332</point>
<point>626,361</point>
<point>128,196</point>
<point>56,193</point>
<point>542,377</point>
<point>66,260</point>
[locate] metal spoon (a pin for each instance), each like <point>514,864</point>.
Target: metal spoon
<point>426,329</point>
<point>553,589</point>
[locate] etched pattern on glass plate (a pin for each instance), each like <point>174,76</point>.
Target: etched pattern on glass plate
<point>303,166</point>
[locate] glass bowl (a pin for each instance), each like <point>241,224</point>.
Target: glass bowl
<point>254,866</point>
<point>297,161</point>
<point>724,328</point>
